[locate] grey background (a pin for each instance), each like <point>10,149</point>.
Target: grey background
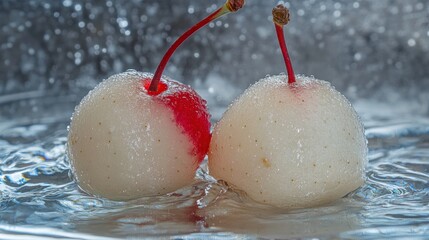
<point>375,50</point>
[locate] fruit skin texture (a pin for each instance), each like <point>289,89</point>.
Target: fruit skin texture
<point>125,143</point>
<point>290,145</point>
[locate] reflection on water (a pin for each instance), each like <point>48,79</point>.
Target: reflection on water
<point>39,198</point>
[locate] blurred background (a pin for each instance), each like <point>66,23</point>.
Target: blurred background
<point>374,51</point>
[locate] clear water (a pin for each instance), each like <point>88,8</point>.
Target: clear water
<point>39,199</point>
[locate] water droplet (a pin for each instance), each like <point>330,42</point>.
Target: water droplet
<point>191,10</point>
<point>67,3</point>
<point>337,13</point>
<point>78,7</point>
<point>337,5</point>
<point>338,23</point>
<point>419,6</point>
<point>123,23</point>
<point>357,56</point>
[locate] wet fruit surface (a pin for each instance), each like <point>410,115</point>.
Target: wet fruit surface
<point>290,146</point>
<point>125,143</point>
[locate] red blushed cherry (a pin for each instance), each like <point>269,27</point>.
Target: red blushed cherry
<point>138,134</point>
<point>189,108</point>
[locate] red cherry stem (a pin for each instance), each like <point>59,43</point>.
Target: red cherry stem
<point>281,18</point>
<point>282,42</point>
<point>229,6</point>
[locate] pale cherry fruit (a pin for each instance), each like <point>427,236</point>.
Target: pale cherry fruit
<point>138,134</point>
<point>290,141</point>
<point>290,145</point>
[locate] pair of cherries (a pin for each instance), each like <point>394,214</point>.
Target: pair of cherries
<point>284,142</point>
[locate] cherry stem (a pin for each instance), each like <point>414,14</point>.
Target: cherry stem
<point>288,63</point>
<point>229,6</point>
<point>281,18</point>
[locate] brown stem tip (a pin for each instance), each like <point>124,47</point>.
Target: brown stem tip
<point>235,5</point>
<point>281,15</point>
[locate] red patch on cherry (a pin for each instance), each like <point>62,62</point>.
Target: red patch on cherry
<point>161,87</point>
<point>190,112</point>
